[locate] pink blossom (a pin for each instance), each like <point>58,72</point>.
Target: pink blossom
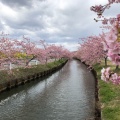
<point>118,16</point>
<point>117,1</point>
<point>115,78</point>
<point>91,50</point>
<point>105,46</point>
<point>105,21</point>
<point>103,71</point>
<point>105,74</point>
<point>101,8</point>
<point>112,20</point>
<point>97,8</point>
<point>117,60</point>
<point>111,37</point>
<point>111,1</point>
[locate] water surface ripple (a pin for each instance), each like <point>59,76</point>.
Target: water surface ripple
<point>66,95</point>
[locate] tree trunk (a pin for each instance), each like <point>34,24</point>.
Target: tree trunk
<point>27,63</point>
<point>46,60</point>
<point>117,66</point>
<point>105,61</point>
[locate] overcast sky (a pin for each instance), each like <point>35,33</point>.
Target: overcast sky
<point>56,21</point>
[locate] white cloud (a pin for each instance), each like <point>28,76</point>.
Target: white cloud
<point>58,21</point>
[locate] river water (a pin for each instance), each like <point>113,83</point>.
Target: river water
<point>66,95</point>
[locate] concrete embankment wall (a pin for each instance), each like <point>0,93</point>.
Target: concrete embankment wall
<point>19,81</point>
<point>97,102</point>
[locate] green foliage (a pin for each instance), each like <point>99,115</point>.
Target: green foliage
<point>2,55</point>
<point>111,113</point>
<point>20,55</point>
<point>108,94</point>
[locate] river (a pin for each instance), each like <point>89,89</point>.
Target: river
<point>68,94</point>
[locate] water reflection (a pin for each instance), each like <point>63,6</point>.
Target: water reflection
<point>66,95</point>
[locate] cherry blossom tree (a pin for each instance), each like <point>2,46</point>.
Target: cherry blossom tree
<point>112,43</point>
<point>108,76</point>
<point>112,40</point>
<point>58,52</point>
<point>8,49</point>
<point>99,9</point>
<point>91,50</point>
<point>29,48</point>
<point>45,47</point>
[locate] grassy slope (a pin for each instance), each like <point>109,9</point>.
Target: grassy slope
<point>109,95</point>
<point>23,72</point>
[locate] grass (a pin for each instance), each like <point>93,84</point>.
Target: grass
<point>109,95</point>
<point>23,72</point>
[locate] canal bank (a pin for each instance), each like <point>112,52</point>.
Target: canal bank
<point>35,73</point>
<point>109,94</point>
<point>69,94</point>
<point>97,101</point>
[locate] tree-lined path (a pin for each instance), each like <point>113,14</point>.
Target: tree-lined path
<point>66,95</point>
